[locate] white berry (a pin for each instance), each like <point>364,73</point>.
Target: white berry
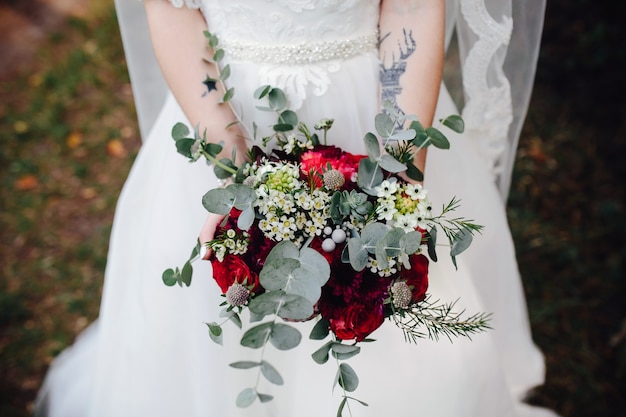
<point>328,245</point>
<point>328,230</point>
<point>338,236</point>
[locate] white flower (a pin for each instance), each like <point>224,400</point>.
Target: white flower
<point>407,222</point>
<point>386,189</point>
<point>416,191</point>
<point>386,211</point>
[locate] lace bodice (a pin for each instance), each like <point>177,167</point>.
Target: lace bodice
<point>296,43</point>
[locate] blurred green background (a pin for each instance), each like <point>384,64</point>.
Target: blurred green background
<point>68,136</point>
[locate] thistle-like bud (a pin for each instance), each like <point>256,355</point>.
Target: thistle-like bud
<point>237,295</point>
<point>401,294</point>
<point>333,179</point>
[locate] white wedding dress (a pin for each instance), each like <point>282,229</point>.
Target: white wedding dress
<point>149,354</point>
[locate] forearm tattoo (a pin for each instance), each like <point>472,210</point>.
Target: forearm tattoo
<point>390,73</point>
<point>209,84</point>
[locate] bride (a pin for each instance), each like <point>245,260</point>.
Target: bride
<point>149,353</point>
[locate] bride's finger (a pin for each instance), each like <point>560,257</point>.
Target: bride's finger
<point>207,233</point>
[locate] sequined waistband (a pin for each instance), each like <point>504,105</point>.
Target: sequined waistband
<point>299,53</point>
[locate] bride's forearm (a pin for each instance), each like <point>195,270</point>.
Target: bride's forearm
<point>180,46</point>
<point>411,53</point>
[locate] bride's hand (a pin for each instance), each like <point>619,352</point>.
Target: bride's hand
<point>207,233</point>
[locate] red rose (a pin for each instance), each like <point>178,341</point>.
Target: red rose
<point>356,321</point>
<point>233,269</point>
<point>417,276</point>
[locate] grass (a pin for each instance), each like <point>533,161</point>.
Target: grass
<point>69,135</point>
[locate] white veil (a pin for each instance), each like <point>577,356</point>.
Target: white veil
<point>498,44</point>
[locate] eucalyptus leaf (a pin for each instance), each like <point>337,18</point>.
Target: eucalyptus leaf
<point>186,273</point>
<point>169,277</point>
<point>391,164</point>
<point>222,173</point>
<point>246,218</point>
<point>262,91</point>
<point>228,95</point>
<point>321,355</point>
<point>180,131</point>
<point>411,242</point>
<point>384,125</point>
<point>431,243</point>
<point>284,249</point>
<point>285,337</point>
<point>288,117</point>
<point>218,201</point>
<point>244,364</point>
<point>213,149</point>
<point>369,175</point>
<point>408,134</point>
<point>218,55</point>
<point>313,260</point>
<point>343,352</point>
<point>271,374</point>
<point>215,332</point>
<point>372,146</point>
<point>276,274</point>
<point>225,72</point>
<point>244,195</point>
<point>414,173</point>
<point>461,241</point>
<point>454,123</point>
<point>372,233</point>
<point>196,250</point>
<point>282,127</point>
<point>347,378</point>
<point>342,404</point>
<point>277,99</point>
<point>358,254</point>
<point>232,316</point>
<point>321,330</point>
<point>246,397</point>
<point>265,397</point>
<point>183,146</point>
<point>437,138</point>
<point>296,307</point>
<point>257,336</point>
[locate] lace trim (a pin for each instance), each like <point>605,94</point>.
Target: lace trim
<point>300,53</point>
<point>488,110</point>
<point>192,4</point>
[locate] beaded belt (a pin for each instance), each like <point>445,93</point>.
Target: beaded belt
<point>300,53</point>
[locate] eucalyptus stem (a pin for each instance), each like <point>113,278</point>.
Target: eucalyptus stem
<point>219,163</point>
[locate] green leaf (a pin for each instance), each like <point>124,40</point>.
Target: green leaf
<point>221,172</point>
<point>213,149</point>
<point>246,218</point>
<point>183,146</point>
<point>288,117</point>
<point>271,374</point>
<point>276,274</point>
<point>262,91</point>
<point>282,127</point>
<point>284,249</point>
<point>265,397</point>
<point>215,332</point>
<point>257,336</point>
<point>370,175</point>
<point>218,55</point>
<point>431,243</point>
<point>461,241</point>
<point>225,73</point>
<point>408,134</point>
<point>414,173</point>
<point>372,233</point>
<point>285,337</point>
<point>244,364</point>
<point>411,242</point>
<point>343,352</point>
<point>384,125</point>
<point>228,95</point>
<point>321,355</point>
<point>437,138</point>
<point>342,404</point>
<point>180,131</point>
<point>244,195</point>
<point>358,254</point>
<point>246,397</point>
<point>454,123</point>
<point>347,378</point>
<point>186,273</point>
<point>372,146</point>
<point>218,201</point>
<point>277,99</point>
<point>391,164</point>
<point>169,277</point>
<point>320,330</point>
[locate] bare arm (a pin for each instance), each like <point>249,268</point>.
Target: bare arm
<point>179,45</point>
<point>412,52</point>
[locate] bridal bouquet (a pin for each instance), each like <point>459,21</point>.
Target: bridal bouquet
<point>312,232</point>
